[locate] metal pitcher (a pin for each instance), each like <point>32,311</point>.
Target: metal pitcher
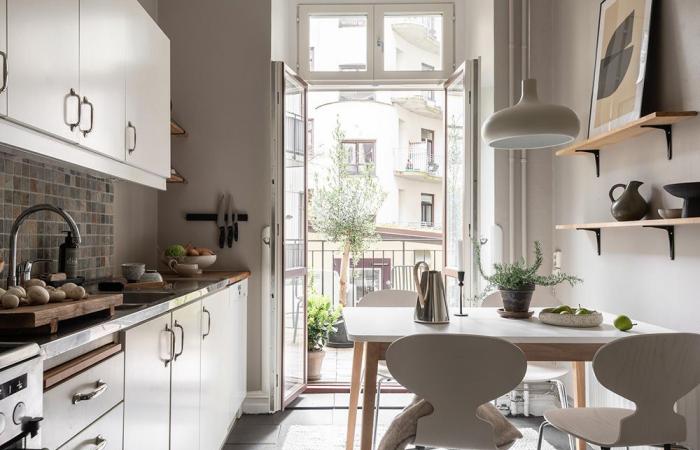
<point>431,306</point>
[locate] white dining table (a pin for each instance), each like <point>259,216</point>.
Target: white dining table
<point>373,329</point>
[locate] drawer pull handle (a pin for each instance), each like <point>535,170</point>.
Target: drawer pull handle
<point>100,388</point>
<point>182,340</point>
<point>100,443</point>
<point>204,310</point>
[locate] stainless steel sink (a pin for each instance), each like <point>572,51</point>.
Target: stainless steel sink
<point>146,297</point>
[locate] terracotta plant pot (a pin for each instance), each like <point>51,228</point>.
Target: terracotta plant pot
<point>517,300</point>
<point>314,363</point>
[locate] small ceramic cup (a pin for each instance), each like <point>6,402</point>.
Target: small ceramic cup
<point>184,269</point>
<point>133,271</point>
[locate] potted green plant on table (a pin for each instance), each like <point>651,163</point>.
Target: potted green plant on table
<point>321,319</point>
<point>516,281</point>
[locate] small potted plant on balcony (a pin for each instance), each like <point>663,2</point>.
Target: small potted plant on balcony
<point>516,281</point>
<point>321,319</point>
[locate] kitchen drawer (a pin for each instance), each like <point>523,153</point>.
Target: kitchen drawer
<point>106,431</point>
<point>63,418</point>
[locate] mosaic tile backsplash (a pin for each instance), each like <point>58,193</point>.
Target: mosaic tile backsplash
<point>90,200</point>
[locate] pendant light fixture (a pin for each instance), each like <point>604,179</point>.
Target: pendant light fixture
<point>530,124</point>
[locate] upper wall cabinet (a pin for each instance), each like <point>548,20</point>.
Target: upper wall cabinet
<point>43,82</point>
<point>147,93</point>
<point>3,56</point>
<point>102,76</point>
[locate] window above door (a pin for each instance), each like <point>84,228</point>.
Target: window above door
<point>375,43</point>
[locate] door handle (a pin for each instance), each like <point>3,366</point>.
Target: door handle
<point>172,345</point>
<point>100,443</point>
<point>92,116</point>
<point>204,310</point>
<point>131,125</point>
<point>182,340</point>
<point>72,93</point>
<point>4,71</point>
<point>100,388</point>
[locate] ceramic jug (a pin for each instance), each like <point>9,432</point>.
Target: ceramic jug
<point>630,205</point>
<point>431,306</point>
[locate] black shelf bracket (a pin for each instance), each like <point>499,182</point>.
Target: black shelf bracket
<point>667,129</point>
<point>597,235</point>
<point>596,156</point>
<point>671,231</point>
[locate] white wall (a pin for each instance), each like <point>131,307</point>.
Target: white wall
<point>135,225</point>
<point>634,274</point>
<point>221,95</point>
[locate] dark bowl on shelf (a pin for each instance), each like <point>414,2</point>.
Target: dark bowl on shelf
<point>690,193</point>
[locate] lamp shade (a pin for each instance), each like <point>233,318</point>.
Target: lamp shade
<point>530,124</point>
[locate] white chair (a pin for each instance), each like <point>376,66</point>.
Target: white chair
<point>540,372</point>
<point>654,371</point>
<point>385,298</point>
<point>456,373</point>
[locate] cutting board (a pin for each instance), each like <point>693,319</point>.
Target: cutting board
<point>45,318</point>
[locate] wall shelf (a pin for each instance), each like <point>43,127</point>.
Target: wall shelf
<point>660,121</point>
<point>176,177</point>
<point>667,225</point>
<point>176,129</point>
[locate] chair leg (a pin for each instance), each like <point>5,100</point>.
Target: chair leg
<point>564,400</point>
<point>376,412</point>
<point>540,435</point>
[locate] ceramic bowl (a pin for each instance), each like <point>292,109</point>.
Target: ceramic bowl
<point>186,270</point>
<point>151,276</point>
<point>202,261</point>
<point>133,271</point>
<point>670,213</point>
<point>594,319</point>
<point>690,193</point>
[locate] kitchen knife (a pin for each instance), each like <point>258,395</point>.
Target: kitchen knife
<point>230,221</point>
<point>221,221</point>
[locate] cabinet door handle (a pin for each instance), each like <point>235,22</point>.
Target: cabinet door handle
<point>100,388</point>
<point>92,116</point>
<point>100,443</point>
<point>4,71</point>
<point>131,125</point>
<point>204,310</point>
<point>182,340</point>
<point>172,345</point>
<point>72,93</point>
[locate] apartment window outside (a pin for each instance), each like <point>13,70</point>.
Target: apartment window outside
<point>427,212</point>
<point>360,155</point>
<point>428,137</point>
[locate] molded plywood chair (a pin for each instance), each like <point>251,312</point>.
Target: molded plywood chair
<point>456,373</point>
<point>654,371</point>
<point>385,298</point>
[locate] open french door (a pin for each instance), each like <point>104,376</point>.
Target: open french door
<point>289,233</point>
<point>460,180</point>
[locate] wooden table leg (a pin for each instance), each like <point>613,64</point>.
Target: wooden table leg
<point>355,385</point>
<point>373,352</point>
<point>580,393</point>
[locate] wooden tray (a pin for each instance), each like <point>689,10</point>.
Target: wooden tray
<point>45,318</point>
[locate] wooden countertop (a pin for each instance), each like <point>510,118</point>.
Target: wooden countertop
<point>217,275</point>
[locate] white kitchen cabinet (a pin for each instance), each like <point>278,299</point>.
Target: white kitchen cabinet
<point>148,348</point>
<point>147,93</point>
<point>103,76</point>
<point>185,381</point>
<point>104,434</point>
<point>43,62</point>
<point>215,393</point>
<point>3,55</point>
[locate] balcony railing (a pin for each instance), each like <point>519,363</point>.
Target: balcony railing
<point>418,157</point>
<point>386,264</point>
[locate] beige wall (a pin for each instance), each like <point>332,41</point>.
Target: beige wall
<point>221,95</point>
<point>135,224</point>
<point>634,274</point>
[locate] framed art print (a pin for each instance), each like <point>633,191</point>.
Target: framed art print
<point>620,64</point>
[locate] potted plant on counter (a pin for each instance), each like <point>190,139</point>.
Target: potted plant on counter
<point>321,320</point>
<point>516,281</point>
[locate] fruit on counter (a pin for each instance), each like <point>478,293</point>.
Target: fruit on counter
<point>38,295</point>
<point>57,295</point>
<point>581,311</point>
<point>34,282</point>
<point>73,292</point>
<point>623,323</point>
<point>9,301</point>
<point>175,251</point>
<point>17,291</point>
<point>192,252</point>
<point>563,309</point>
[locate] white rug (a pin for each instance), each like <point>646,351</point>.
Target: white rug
<point>332,437</point>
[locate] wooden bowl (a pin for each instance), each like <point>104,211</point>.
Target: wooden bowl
<point>594,319</point>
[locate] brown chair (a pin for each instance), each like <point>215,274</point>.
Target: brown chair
<point>456,373</point>
<point>654,371</point>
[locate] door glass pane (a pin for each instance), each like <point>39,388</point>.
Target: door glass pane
<point>413,42</point>
<point>338,43</point>
<point>294,224</point>
<point>455,199</point>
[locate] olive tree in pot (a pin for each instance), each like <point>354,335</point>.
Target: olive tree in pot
<point>321,319</point>
<point>516,281</point>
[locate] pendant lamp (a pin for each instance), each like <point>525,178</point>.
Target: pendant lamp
<point>530,124</point>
